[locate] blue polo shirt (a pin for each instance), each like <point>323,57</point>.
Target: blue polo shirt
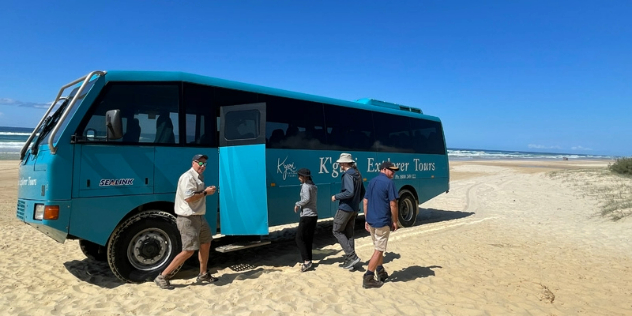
<point>380,192</point>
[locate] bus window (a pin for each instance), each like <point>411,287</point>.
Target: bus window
<point>349,129</point>
<point>393,133</point>
<point>242,125</point>
<point>294,124</point>
<point>201,115</point>
<point>149,113</point>
<point>427,137</point>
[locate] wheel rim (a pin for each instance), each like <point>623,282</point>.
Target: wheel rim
<point>149,249</point>
<point>407,210</point>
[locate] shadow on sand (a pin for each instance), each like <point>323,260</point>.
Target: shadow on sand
<point>412,273</point>
<point>93,272</point>
<point>282,252</point>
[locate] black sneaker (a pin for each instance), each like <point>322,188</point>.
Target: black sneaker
<point>369,281</point>
<point>344,263</point>
<point>163,283</point>
<point>350,265</point>
<point>382,275</point>
<point>206,277</point>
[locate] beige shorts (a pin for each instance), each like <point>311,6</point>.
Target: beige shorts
<point>194,231</point>
<point>379,236</point>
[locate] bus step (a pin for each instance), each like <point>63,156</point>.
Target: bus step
<point>242,245</point>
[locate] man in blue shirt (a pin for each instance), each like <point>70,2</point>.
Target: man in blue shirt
<point>380,213</point>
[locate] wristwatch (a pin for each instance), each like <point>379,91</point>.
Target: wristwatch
<point>204,192</point>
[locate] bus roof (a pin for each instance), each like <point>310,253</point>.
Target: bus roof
<point>366,104</point>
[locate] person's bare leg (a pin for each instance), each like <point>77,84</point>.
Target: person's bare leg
<point>203,256</point>
<point>376,260</point>
<point>177,261</point>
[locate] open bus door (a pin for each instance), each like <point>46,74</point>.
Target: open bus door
<point>242,172</point>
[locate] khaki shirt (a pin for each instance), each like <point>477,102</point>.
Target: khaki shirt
<point>189,183</point>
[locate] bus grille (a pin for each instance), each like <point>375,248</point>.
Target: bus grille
<point>20,209</point>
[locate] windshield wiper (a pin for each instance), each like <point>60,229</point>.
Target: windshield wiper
<point>48,124</point>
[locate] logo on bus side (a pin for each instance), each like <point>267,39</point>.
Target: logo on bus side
<point>116,182</point>
<point>286,169</point>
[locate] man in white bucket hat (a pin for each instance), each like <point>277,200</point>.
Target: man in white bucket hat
<point>350,196</point>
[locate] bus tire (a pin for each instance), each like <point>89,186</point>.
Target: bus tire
<point>143,246</point>
<point>407,209</point>
<point>93,251</point>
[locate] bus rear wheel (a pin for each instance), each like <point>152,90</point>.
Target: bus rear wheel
<point>143,245</point>
<point>407,209</point>
<point>93,251</point>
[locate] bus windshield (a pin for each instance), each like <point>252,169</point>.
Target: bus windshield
<point>51,121</point>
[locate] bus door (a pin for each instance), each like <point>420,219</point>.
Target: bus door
<point>242,170</point>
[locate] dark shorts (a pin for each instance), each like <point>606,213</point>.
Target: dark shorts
<point>194,231</point>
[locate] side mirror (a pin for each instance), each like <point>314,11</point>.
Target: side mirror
<point>114,124</point>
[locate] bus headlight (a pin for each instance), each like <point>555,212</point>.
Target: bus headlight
<point>47,212</point>
<point>39,212</point>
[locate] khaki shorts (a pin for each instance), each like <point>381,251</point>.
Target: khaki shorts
<point>194,231</point>
<point>380,237</point>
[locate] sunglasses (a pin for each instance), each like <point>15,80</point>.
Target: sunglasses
<point>201,164</point>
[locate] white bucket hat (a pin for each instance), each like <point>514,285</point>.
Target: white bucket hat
<point>345,158</point>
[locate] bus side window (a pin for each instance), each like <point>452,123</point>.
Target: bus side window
<point>201,115</point>
<point>139,102</point>
<point>292,123</point>
<point>132,133</point>
<point>276,138</point>
<point>164,129</point>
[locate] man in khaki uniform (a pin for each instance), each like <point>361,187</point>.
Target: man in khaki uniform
<point>190,206</point>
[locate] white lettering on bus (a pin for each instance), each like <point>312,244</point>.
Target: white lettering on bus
<point>28,181</point>
<point>328,161</point>
<point>373,166</point>
<point>327,164</point>
<point>424,166</point>
<point>323,161</point>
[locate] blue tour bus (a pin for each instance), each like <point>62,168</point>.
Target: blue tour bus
<point>103,163</point>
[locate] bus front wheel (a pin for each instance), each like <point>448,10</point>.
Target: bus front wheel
<point>407,209</point>
<point>93,251</point>
<point>143,245</point>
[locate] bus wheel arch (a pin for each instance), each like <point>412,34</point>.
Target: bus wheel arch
<point>93,251</point>
<point>143,245</point>
<point>408,207</point>
<point>165,206</point>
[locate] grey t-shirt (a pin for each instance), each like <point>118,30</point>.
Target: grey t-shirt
<point>309,193</point>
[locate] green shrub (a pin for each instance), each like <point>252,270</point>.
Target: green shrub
<point>622,166</point>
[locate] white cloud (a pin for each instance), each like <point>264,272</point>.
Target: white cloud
<point>1,114</point>
<point>8,101</point>
<point>580,148</point>
<point>544,146</point>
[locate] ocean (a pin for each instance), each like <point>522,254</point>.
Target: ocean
<point>485,154</point>
<point>12,139</point>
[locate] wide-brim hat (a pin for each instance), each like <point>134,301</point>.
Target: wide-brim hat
<point>345,158</point>
<point>304,172</point>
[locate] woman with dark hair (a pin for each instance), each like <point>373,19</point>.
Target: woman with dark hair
<point>309,217</point>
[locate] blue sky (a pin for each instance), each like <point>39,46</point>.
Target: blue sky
<point>552,76</point>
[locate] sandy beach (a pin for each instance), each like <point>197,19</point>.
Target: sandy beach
<point>510,238</point>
